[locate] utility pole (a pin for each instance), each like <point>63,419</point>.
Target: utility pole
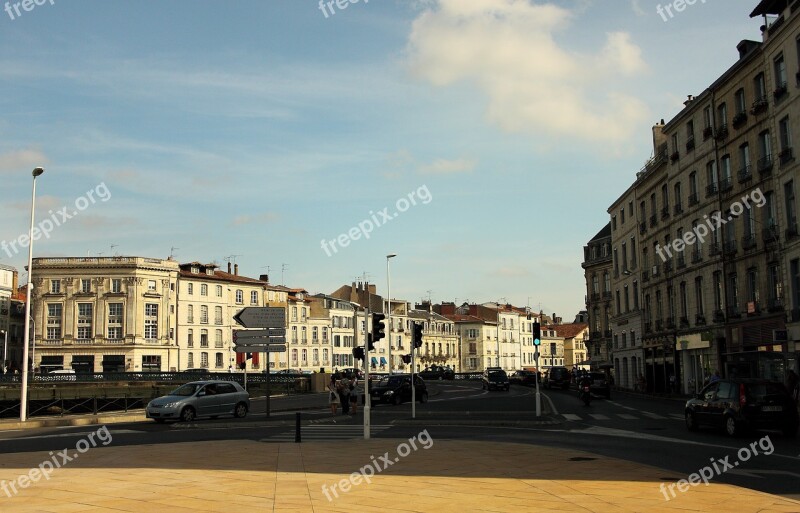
<point>367,402</point>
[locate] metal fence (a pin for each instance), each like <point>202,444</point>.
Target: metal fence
<point>151,377</point>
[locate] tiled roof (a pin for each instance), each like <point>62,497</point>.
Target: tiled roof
<point>568,330</point>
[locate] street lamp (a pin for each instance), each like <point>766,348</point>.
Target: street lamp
<point>389,307</point>
<point>5,351</point>
<point>23,406</point>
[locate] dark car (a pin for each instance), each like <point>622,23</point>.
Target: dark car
<point>438,372</point>
<point>557,377</point>
<point>601,385</point>
<point>396,389</point>
<point>740,404</point>
<point>523,377</point>
<point>495,378</point>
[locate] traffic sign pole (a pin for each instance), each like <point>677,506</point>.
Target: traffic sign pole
<point>538,397</point>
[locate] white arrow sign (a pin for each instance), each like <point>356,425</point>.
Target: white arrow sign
<point>262,317</point>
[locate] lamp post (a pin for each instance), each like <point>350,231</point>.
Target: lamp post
<point>23,407</point>
<point>389,307</point>
<point>5,351</point>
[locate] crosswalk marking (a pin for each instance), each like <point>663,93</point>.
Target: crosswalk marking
<point>676,416</point>
<point>327,432</point>
<point>570,416</point>
<point>653,415</point>
<point>627,416</point>
<point>598,416</point>
<point>623,416</point>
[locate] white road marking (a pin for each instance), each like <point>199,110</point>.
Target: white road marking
<point>598,416</point>
<point>627,416</point>
<point>570,416</point>
<point>653,415</point>
<point>76,434</point>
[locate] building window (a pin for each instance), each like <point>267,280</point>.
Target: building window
<point>190,338</point>
<point>116,286</point>
<point>218,338</point>
<point>150,321</point>
<point>219,290</point>
<point>151,363</point>
<point>203,314</point>
<point>759,83</point>
<point>151,285</point>
<point>203,289</point>
<point>204,360</point>
<point>190,361</point>
<point>203,338</point>
<point>253,297</point>
<point>54,312</point>
<point>239,297</point>
<point>780,73</point>
<point>115,321</point>
<point>55,286</point>
<point>190,314</point>
<point>741,106</point>
<point>218,360</point>
<point>86,286</point>
<point>217,315</point>
<point>791,208</point>
<point>84,321</point>
<point>190,288</point>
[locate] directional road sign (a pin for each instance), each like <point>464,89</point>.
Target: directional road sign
<point>262,317</point>
<point>260,349</point>
<point>257,334</point>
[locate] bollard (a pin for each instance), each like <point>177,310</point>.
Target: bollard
<point>297,428</point>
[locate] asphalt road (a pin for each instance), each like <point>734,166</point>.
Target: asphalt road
<point>645,430</point>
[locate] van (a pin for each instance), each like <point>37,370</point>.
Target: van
<point>558,377</point>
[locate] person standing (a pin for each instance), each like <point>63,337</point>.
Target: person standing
<point>353,395</point>
<point>344,395</point>
<point>333,395</point>
<point>792,384</point>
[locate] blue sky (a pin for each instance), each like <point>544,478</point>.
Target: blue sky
<point>260,128</point>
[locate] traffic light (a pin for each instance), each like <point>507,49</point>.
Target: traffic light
<point>370,342</point>
<point>378,326</point>
<point>537,334</point>
<point>358,353</point>
<point>417,336</point>
<point>406,358</point>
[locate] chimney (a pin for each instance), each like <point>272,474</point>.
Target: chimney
<point>689,99</point>
<point>264,277</point>
<point>236,269</point>
<point>373,289</point>
<point>229,267</point>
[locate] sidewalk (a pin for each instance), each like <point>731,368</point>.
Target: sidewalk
<point>448,476</point>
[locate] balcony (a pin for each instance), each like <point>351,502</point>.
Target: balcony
<point>770,235</point>
<point>759,105</point>
<point>786,156</point>
<point>653,221</point>
<point>681,261</point>
<point>642,227</point>
<point>693,199</point>
<point>697,256</point>
<point>707,132</point>
<point>711,189</point>
<point>678,209</point>
<point>719,316</point>
<point>749,242</point>
<point>667,267</point>
<point>765,165</point>
<point>690,143</point>
<point>684,322</point>
<point>595,296</point>
<point>665,212</point>
<point>674,157</point>
<point>714,248</point>
<point>721,132</point>
<point>745,174</point>
<point>607,294</point>
<point>739,120</point>
<point>726,184</point>
<point>730,247</point>
<point>670,323</point>
<point>700,320</point>
<point>780,91</point>
<point>775,304</point>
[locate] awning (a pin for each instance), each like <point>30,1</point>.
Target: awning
<point>374,361</point>
<point>383,360</point>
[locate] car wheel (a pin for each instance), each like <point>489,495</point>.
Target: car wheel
<point>691,421</point>
<point>396,399</point>
<point>790,431</point>
<point>424,397</point>
<point>240,410</point>
<point>731,426</point>
<point>188,414</point>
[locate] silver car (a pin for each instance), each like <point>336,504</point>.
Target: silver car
<point>200,399</point>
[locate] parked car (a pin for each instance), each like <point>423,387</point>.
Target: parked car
<point>523,377</point>
<point>740,404</point>
<point>495,378</point>
<point>557,377</point>
<point>438,372</point>
<point>601,385</point>
<point>200,399</point>
<point>349,372</point>
<point>396,389</point>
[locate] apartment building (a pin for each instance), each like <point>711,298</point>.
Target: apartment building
<point>440,340</point>
<point>575,336</point>
<point>8,286</point>
<point>337,335</point>
<point>598,266</point>
<point>105,314</point>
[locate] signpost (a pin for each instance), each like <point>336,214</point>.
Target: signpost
<point>269,338</point>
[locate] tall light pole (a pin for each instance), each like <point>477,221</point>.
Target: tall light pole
<point>389,307</point>
<point>5,351</point>
<point>23,406</point>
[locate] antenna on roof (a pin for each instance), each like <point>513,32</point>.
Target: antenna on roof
<point>283,268</point>
<point>172,252</point>
<point>112,249</point>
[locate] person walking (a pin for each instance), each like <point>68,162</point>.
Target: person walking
<point>354,395</point>
<point>333,396</point>
<point>792,384</point>
<point>344,395</point>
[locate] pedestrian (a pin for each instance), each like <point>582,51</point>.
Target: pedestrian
<point>344,395</point>
<point>333,396</point>
<point>354,395</point>
<point>672,382</point>
<point>792,384</point>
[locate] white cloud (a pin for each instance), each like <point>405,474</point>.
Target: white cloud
<point>509,50</point>
<point>447,167</point>
<point>21,160</point>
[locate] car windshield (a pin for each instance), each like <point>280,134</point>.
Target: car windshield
<point>761,390</point>
<point>391,381</point>
<point>497,375</point>
<point>597,376</point>
<point>186,390</point>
